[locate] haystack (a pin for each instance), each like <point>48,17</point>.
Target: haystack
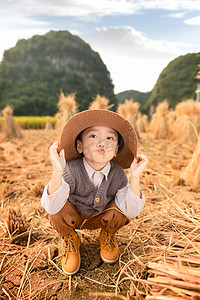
<point>11,128</point>
<point>48,125</point>
<point>158,125</point>
<point>186,123</point>
<point>142,122</point>
<point>129,110</point>
<point>67,108</point>
<point>171,118</point>
<point>100,102</point>
<point>191,174</point>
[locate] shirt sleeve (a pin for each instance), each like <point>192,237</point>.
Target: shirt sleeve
<point>130,204</point>
<point>54,203</point>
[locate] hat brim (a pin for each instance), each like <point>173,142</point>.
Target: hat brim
<point>99,117</point>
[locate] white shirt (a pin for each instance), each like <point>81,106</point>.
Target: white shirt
<point>130,204</point>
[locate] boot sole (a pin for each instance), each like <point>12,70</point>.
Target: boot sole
<point>107,260</point>
<point>73,273</point>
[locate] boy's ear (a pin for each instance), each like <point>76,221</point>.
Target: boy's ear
<point>79,146</point>
<point>116,150</point>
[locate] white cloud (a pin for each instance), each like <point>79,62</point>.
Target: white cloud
<point>84,8</point>
<point>134,74</point>
<point>127,42</point>
<point>134,60</point>
<point>193,21</point>
<point>177,15</point>
<point>74,8</point>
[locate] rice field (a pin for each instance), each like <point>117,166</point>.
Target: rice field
<point>160,249</point>
<point>31,122</point>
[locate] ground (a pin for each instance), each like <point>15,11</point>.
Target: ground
<point>159,249</point>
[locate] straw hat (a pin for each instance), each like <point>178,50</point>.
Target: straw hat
<point>99,117</point>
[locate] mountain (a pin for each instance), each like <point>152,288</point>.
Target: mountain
<point>137,96</point>
<point>176,82</point>
<point>33,72</point>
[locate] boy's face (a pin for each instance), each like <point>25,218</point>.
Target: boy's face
<point>99,144</point>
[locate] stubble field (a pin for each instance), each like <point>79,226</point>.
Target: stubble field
<point>159,249</point>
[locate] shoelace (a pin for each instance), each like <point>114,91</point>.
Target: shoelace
<point>69,246</point>
<point>109,239</point>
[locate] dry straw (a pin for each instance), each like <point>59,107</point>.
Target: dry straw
<point>129,110</point>
<point>191,174</point>
<point>158,125</point>
<point>171,118</point>
<point>100,102</point>
<point>10,126</point>
<point>67,108</point>
<point>159,250</point>
<point>142,123</point>
<point>48,125</point>
<point>185,127</point>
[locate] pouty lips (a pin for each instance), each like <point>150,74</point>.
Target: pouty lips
<point>101,151</point>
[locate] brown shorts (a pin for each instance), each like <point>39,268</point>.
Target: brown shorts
<point>69,218</point>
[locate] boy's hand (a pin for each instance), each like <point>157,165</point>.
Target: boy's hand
<point>138,165</point>
<point>57,159</point>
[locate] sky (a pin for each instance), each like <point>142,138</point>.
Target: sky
<point>136,39</point>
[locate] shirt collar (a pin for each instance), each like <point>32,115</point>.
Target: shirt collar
<point>91,171</point>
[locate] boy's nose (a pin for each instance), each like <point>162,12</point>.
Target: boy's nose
<point>101,144</point>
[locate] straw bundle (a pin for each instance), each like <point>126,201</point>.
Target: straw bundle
<point>16,222</point>
<point>48,125</point>
<point>158,125</point>
<point>100,102</point>
<point>11,128</point>
<point>129,110</point>
<point>170,122</point>
<point>67,108</point>
<point>188,107</point>
<point>142,122</point>
<point>191,174</point>
<point>186,123</point>
<point>174,279</point>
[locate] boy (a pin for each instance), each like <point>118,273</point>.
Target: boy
<point>92,191</point>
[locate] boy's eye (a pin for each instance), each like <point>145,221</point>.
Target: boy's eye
<point>93,136</point>
<point>110,138</point>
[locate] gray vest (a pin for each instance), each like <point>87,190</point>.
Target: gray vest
<point>84,196</point>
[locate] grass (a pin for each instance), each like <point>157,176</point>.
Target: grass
<point>32,122</point>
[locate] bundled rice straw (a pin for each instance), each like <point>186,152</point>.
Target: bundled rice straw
<point>67,108</point>
<point>48,125</point>
<point>129,110</point>
<point>191,174</point>
<point>11,128</point>
<point>158,125</point>
<point>186,125</point>
<point>100,102</point>
<point>142,122</point>
<point>170,122</point>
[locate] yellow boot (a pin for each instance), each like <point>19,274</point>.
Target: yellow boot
<point>71,259</point>
<point>109,248</point>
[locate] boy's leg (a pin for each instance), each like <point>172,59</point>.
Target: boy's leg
<point>110,220</point>
<point>64,222</point>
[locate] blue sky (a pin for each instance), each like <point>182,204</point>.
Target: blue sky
<point>136,39</point>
